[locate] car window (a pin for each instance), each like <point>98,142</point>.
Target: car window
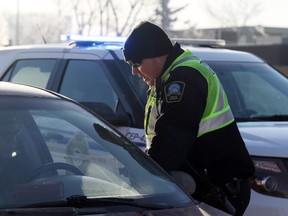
<point>259,94</point>
<point>31,71</point>
<point>85,81</point>
<point>139,86</point>
<point>253,89</point>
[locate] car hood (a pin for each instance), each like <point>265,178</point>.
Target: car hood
<point>265,138</point>
<point>201,209</point>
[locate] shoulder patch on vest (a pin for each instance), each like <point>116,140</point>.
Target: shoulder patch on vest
<point>174,91</point>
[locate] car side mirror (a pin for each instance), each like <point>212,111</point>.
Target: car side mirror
<point>185,181</point>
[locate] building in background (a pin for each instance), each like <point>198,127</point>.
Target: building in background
<point>269,43</point>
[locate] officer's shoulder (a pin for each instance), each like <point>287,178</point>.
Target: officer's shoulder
<point>185,74</point>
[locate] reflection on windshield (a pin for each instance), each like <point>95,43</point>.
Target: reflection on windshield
<point>59,150</point>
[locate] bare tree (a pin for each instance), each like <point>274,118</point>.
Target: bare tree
<point>4,40</point>
<point>166,16</point>
<point>85,14</point>
<point>234,13</point>
<point>133,11</point>
<point>39,30</point>
<point>105,15</point>
<point>109,17</point>
<point>90,17</point>
<point>102,9</point>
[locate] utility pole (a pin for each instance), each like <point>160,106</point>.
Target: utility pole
<point>17,25</point>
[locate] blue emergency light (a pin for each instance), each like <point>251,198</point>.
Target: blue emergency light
<point>92,41</point>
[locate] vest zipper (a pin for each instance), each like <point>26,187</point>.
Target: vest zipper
<point>147,119</point>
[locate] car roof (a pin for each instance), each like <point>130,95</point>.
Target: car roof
<point>56,46</point>
<point>13,89</point>
<point>223,55</point>
<point>206,52</point>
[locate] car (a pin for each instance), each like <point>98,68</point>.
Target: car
<point>257,93</point>
<point>43,172</point>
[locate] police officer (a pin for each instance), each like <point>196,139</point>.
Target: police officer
<point>188,121</point>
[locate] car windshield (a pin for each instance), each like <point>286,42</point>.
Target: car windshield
<point>52,150</point>
<point>255,91</point>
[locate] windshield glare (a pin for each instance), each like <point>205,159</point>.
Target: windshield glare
<point>52,150</point>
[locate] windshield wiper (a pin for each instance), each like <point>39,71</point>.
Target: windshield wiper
<point>80,201</point>
<point>83,200</point>
<point>263,118</point>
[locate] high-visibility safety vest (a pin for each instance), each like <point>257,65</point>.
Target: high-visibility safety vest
<point>217,113</point>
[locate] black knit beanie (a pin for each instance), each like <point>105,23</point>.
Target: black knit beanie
<point>146,40</point>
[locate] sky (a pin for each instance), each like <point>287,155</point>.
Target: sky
<point>273,13</point>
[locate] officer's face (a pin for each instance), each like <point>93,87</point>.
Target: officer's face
<point>149,69</point>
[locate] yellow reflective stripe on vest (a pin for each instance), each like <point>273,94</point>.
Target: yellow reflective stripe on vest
<point>150,117</point>
<point>217,113</point>
<point>215,122</point>
<point>220,117</point>
<point>176,63</point>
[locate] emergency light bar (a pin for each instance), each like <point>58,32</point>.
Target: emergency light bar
<point>200,42</point>
<point>85,40</point>
<point>92,38</point>
<point>93,41</point>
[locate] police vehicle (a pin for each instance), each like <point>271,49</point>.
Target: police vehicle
<point>92,72</point>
